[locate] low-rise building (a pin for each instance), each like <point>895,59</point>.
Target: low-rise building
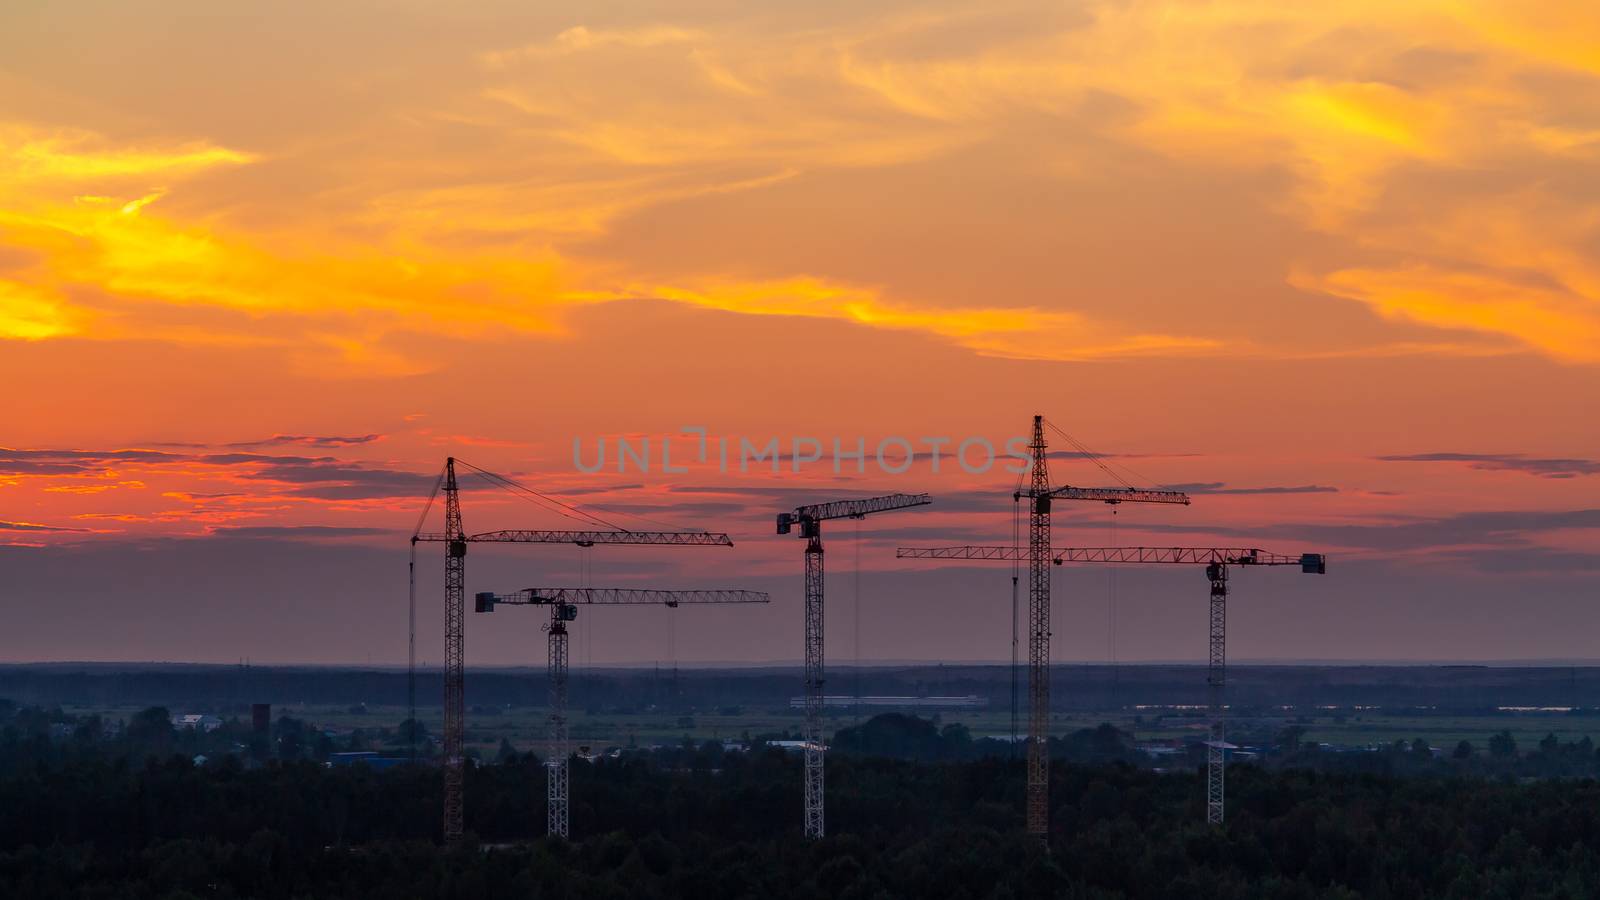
<point>196,722</point>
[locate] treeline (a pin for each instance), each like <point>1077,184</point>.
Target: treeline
<point>32,737</point>
<point>911,737</point>
<point>900,736</point>
<point>729,827</point>
<point>1252,690</point>
<point>1501,756</point>
<point>915,809</point>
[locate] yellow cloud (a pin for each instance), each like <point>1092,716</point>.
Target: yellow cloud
<point>510,208</point>
<point>486,208</point>
<point>344,300</point>
<point>1012,332</point>
<point>140,256</point>
<point>131,274</point>
<point>1549,320</point>
<point>1550,33</point>
<point>664,96</point>
<point>580,38</point>
<point>1211,81</point>
<point>31,314</point>
<point>29,155</point>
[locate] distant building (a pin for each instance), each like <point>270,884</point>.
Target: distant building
<point>1231,752</point>
<point>791,746</point>
<point>196,722</point>
<point>367,758</point>
<point>971,701</point>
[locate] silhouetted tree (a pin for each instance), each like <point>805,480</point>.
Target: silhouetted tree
<point>149,731</point>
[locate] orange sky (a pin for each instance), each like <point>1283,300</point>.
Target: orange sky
<point>260,271</point>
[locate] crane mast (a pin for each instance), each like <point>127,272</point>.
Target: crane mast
<point>1040,494</point>
<point>455,576</point>
<point>1216,560</point>
<point>1038,790</point>
<point>455,539</point>
<point>1216,680</point>
<point>810,519</point>
<point>563,606</point>
<point>557,765</point>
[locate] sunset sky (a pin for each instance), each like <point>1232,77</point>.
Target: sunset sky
<point>1334,269</point>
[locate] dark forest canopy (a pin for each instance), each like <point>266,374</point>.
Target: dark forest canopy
<point>87,816</point>
<point>898,829</point>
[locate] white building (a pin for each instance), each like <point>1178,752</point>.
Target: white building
<point>196,722</point>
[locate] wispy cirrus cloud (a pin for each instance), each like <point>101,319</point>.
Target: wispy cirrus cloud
<point>297,532</point>
<point>248,475</point>
<point>310,440</point>
<point>36,527</point>
<point>1218,487</point>
<point>328,479</point>
<point>1543,467</point>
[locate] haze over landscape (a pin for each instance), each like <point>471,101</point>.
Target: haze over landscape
<point>1333,271</point>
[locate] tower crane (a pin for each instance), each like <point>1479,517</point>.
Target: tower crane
<point>563,606</point>
<point>455,539</point>
<point>810,519</point>
<point>1216,560</point>
<point>1040,496</point>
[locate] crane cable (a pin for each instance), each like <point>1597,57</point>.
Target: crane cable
<point>411,659</point>
<point>670,526</point>
<point>585,574</point>
<point>411,622</point>
<point>856,644</point>
<point>1098,460</point>
<point>1111,613</point>
<point>560,507</point>
<point>428,506</point>
<point>1016,569</point>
